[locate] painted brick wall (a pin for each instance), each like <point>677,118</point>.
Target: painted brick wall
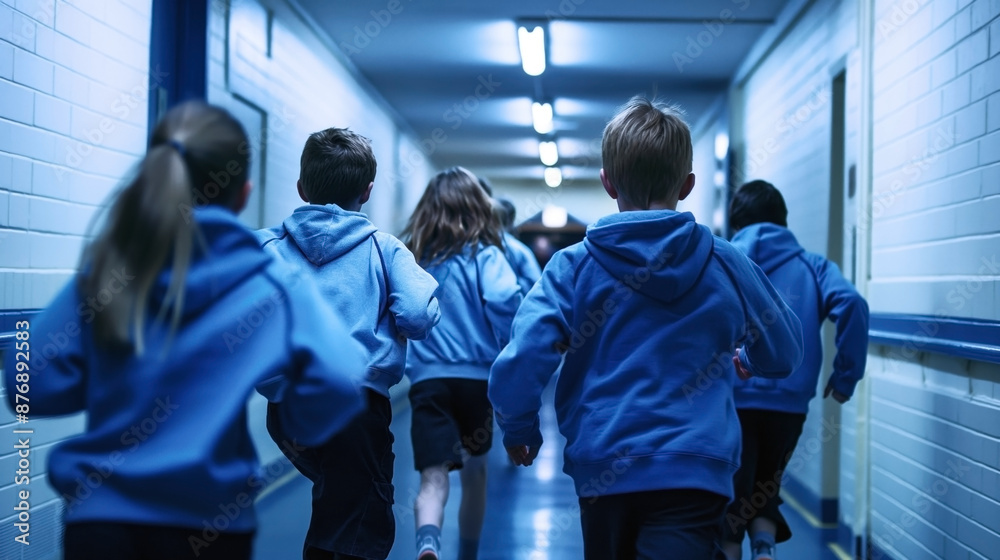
<point>73,82</point>
<point>936,158</point>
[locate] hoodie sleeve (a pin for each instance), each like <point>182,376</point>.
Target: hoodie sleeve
<point>772,346</point>
<point>411,299</point>
<point>849,311</point>
<point>525,366</point>
<point>57,384</point>
<point>500,292</point>
<point>322,386</point>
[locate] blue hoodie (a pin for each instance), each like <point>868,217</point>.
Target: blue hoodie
<point>646,313</point>
<point>815,290</point>
<point>352,262</point>
<point>523,261</point>
<point>479,296</point>
<point>167,440</point>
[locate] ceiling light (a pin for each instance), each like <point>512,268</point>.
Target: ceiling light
<point>541,115</point>
<point>548,152</point>
<point>554,216</point>
<point>553,177</point>
<point>532,46</point>
<point>721,146</point>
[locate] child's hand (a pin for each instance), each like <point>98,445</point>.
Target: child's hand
<point>522,455</point>
<point>741,372</point>
<point>837,395</point>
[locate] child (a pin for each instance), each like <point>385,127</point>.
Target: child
<point>772,414</point>
<point>375,285</point>
<point>520,257</point>
<point>456,237</point>
<point>645,314</point>
<point>190,315</point>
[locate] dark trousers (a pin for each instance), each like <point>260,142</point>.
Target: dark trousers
<point>126,541</point>
<point>352,492</point>
<point>769,438</point>
<point>653,525</point>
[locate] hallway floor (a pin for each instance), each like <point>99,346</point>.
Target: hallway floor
<point>530,514</point>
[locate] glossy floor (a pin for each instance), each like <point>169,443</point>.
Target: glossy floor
<point>530,511</point>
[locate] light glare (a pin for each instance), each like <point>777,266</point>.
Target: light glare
<point>532,47</point>
<point>548,152</point>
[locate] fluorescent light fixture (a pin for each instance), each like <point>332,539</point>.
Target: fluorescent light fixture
<point>553,177</point>
<point>554,216</point>
<point>720,179</point>
<point>532,46</point>
<point>721,146</point>
<point>548,152</point>
<point>541,116</point>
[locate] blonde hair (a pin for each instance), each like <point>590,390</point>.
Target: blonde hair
<point>198,155</point>
<point>646,152</point>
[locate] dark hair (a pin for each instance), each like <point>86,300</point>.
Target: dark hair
<point>486,186</point>
<point>506,212</point>
<point>336,167</point>
<point>198,155</point>
<point>646,152</point>
<point>454,212</point>
<point>755,202</point>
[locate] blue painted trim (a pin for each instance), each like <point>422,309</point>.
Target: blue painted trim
<point>178,54</point>
<point>845,537</point>
<point>972,339</point>
<point>825,509</point>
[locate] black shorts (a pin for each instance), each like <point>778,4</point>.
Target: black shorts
<point>352,491</point>
<point>769,438</point>
<point>449,415</point>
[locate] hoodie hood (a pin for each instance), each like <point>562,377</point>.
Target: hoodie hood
<point>666,245</point>
<point>324,233</point>
<point>768,245</point>
<point>224,254</point>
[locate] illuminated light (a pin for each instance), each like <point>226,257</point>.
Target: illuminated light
<point>541,116</point>
<point>554,217</point>
<point>553,177</point>
<point>721,146</point>
<point>720,179</point>
<point>548,152</point>
<point>532,47</point>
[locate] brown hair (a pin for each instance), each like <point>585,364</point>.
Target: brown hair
<point>646,151</point>
<point>198,155</point>
<point>454,212</point>
<point>336,167</point>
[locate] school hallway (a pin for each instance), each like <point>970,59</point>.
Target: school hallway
<point>530,512</point>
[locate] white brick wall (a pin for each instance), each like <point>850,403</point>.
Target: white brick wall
<point>64,145</point>
<point>935,159</point>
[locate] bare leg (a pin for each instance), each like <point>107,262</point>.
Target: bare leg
<point>428,508</point>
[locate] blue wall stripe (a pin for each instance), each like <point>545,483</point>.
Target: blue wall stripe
<point>972,339</point>
<point>825,509</point>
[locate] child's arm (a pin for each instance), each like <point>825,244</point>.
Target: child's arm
<point>55,374</point>
<point>321,389</point>
<point>772,346</point>
<point>500,291</point>
<point>411,295</point>
<point>849,311</point>
<point>526,365</point>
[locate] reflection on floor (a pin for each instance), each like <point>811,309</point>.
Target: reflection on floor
<point>530,511</point>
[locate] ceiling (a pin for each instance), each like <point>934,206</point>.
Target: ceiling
<point>454,65</point>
